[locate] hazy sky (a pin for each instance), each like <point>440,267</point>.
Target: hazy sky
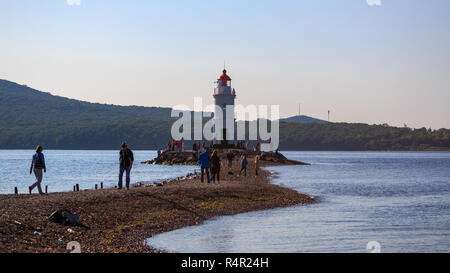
<point>371,64</point>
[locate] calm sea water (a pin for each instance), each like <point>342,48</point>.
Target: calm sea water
<point>399,199</point>
<point>86,168</point>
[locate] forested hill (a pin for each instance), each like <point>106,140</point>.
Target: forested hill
<point>23,106</point>
<point>355,136</point>
<point>29,117</point>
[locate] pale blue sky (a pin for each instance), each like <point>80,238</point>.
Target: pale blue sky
<point>371,64</point>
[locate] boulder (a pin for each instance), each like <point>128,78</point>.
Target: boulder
<point>65,218</point>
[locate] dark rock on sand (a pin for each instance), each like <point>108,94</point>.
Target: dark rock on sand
<point>174,158</point>
<point>65,218</point>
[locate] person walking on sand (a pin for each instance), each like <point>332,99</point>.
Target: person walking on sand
<point>37,165</point>
<point>126,159</point>
<point>244,164</point>
<point>256,164</point>
<point>204,162</point>
<point>230,157</point>
<point>215,167</point>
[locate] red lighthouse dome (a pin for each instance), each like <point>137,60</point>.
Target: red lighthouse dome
<point>224,78</point>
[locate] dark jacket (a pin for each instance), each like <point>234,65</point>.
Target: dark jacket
<point>244,162</point>
<point>204,160</point>
<point>215,163</point>
<point>126,158</point>
<point>38,161</point>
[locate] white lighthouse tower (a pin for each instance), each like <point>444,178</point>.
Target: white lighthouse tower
<point>224,96</point>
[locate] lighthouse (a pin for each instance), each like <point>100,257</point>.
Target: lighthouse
<point>224,96</point>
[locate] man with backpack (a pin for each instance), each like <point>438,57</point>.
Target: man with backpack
<point>126,159</point>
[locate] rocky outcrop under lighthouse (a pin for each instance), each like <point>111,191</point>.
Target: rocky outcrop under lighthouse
<point>191,158</point>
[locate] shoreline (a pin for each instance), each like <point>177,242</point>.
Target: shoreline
<point>118,221</point>
<point>432,149</point>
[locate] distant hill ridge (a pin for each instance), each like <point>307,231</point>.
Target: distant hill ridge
<point>29,117</point>
<point>303,119</point>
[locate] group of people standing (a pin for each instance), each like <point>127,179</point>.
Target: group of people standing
<point>211,163</point>
<point>244,164</point>
<point>174,146</point>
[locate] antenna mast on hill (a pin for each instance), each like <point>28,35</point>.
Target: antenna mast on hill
<point>328,115</point>
<point>299,109</point>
